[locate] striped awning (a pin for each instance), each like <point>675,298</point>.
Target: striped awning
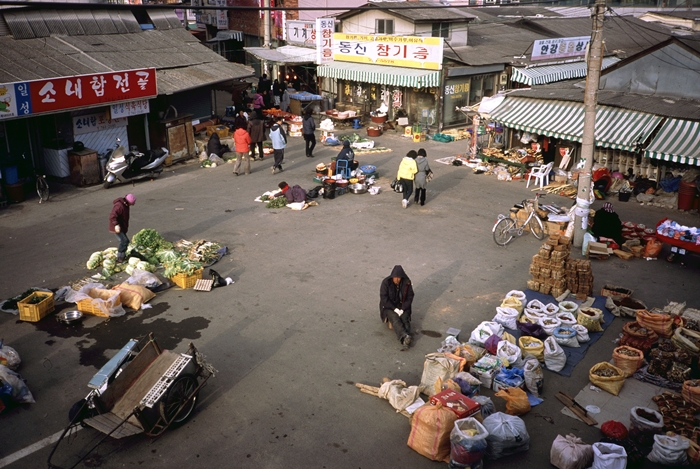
<point>677,141</point>
<point>535,75</point>
<point>615,128</point>
<point>380,74</point>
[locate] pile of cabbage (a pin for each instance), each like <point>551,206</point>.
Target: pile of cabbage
<point>107,261</point>
<point>149,244</point>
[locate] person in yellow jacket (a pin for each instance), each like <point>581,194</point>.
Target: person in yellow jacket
<point>407,171</point>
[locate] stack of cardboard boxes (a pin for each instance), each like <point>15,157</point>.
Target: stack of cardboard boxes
<point>579,278</point>
<point>548,268</point>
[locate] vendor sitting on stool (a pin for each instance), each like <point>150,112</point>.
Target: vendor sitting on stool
<point>607,224</point>
<point>348,155</point>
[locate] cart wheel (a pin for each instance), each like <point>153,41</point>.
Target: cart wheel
<point>671,257</point>
<point>179,391</point>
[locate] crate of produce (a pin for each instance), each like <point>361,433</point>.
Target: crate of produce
<point>187,281</point>
<point>100,302</point>
<point>35,306</point>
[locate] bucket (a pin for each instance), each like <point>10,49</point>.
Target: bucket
<point>686,194</point>
<point>329,189</point>
<point>15,192</point>
<point>624,196</point>
<point>378,119</point>
<point>10,175</point>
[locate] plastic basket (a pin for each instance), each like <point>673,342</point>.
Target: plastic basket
<point>90,305</point>
<point>34,312</point>
<point>187,281</point>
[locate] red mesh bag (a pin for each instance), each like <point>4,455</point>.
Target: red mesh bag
<point>613,429</point>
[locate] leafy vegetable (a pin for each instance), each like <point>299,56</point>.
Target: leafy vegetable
<point>150,239</point>
<point>11,304</point>
<point>181,266</point>
<point>277,202</point>
<point>167,255</point>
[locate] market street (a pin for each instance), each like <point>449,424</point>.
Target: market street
<point>300,325</point>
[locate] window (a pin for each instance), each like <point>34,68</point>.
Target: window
<point>441,30</point>
<point>385,26</point>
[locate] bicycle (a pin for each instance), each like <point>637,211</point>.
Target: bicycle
<point>42,187</point>
<point>506,228</point>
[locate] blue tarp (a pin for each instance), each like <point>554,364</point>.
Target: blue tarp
<point>573,355</point>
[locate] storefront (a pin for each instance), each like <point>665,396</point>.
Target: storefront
<point>406,92</point>
<point>466,86</point>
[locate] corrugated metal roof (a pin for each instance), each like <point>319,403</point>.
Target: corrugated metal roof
<point>679,108</point>
<point>159,18</point>
<point>407,11</point>
<point>284,54</point>
<point>182,63</point>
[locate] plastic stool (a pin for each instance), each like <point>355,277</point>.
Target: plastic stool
<point>356,124</point>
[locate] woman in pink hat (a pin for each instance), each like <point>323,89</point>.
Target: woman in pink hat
<point>119,223</point>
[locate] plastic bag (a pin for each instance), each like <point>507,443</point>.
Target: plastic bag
<point>567,319</point>
<point>531,347</point>
<point>509,353</point>
<point>487,407</point>
<point>144,278</point>
<point>509,337</point>
<point>653,248</point>
<point>507,435</point>
<point>133,296</point>
<point>449,345</point>
<point>437,365</point>
<point>110,307</point>
<point>630,361</point>
<point>517,294</point>
<point>534,330</point>
<point>516,401</point>
<point>612,384</point>
<point>469,385</point>
<point>430,431</point>
<point>468,353</point>
<point>669,450</point>
<point>536,305</point>
<point>590,318</point>
<point>13,386</point>
<point>662,324</point>
<point>549,324</point>
<point>491,344</point>
<point>554,356</point>
<point>9,356</point>
<point>570,452</point>
<point>533,316</point>
<point>614,429</point>
<point>551,309</point>
<point>485,330</point>
<point>568,307</point>
<point>534,378</point>
<point>398,395</point>
<point>513,302</point>
<point>566,336</point>
<point>646,420</point>
<point>609,456</point>
<point>467,442</point>
<point>507,317</point>
<point>513,377</point>
<point>581,333</point>
<point>587,238</point>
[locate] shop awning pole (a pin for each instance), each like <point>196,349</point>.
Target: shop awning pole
<point>590,102</point>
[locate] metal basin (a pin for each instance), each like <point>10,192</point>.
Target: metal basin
<point>69,317</point>
<point>358,188</point>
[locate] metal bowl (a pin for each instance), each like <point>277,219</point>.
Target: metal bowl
<point>358,188</point>
<point>69,317</point>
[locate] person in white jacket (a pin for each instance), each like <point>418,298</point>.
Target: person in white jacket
<point>279,142</point>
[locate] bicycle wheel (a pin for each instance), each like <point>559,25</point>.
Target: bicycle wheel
<point>503,232</point>
<point>536,227</point>
<point>42,189</point>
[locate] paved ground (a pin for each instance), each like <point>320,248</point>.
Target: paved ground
<point>300,326</point>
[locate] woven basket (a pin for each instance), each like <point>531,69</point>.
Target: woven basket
<point>187,281</point>
<point>691,391</point>
<point>614,290</point>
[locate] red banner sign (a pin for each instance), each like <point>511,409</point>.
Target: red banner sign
<point>88,90</point>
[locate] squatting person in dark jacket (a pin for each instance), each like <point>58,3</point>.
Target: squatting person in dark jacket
<point>395,299</point>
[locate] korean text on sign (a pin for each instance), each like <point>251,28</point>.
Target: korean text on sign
<point>400,51</point>
<point>88,90</point>
<point>560,47</point>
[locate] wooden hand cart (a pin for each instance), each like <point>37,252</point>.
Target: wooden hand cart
<point>142,389</point>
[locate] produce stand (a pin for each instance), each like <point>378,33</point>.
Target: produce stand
<point>142,389</point>
<point>678,247</point>
<point>299,102</point>
<point>494,159</point>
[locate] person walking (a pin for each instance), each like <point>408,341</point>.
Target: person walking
<point>421,177</point>
<point>284,103</point>
<point>241,138</point>
<point>309,127</point>
<point>119,223</point>
<point>279,142</point>
<point>406,174</point>
<point>395,302</point>
<point>256,129</point>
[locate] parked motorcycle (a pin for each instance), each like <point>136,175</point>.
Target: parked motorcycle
<point>123,166</point>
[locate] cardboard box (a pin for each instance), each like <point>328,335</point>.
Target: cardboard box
<point>457,403</point>
<point>521,216</point>
<point>554,227</point>
<point>485,376</point>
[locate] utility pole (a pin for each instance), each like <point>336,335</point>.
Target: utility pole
<point>266,32</point>
<point>590,102</point>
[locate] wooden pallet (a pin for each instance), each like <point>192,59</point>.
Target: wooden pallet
<point>576,408</point>
<point>203,284</point>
